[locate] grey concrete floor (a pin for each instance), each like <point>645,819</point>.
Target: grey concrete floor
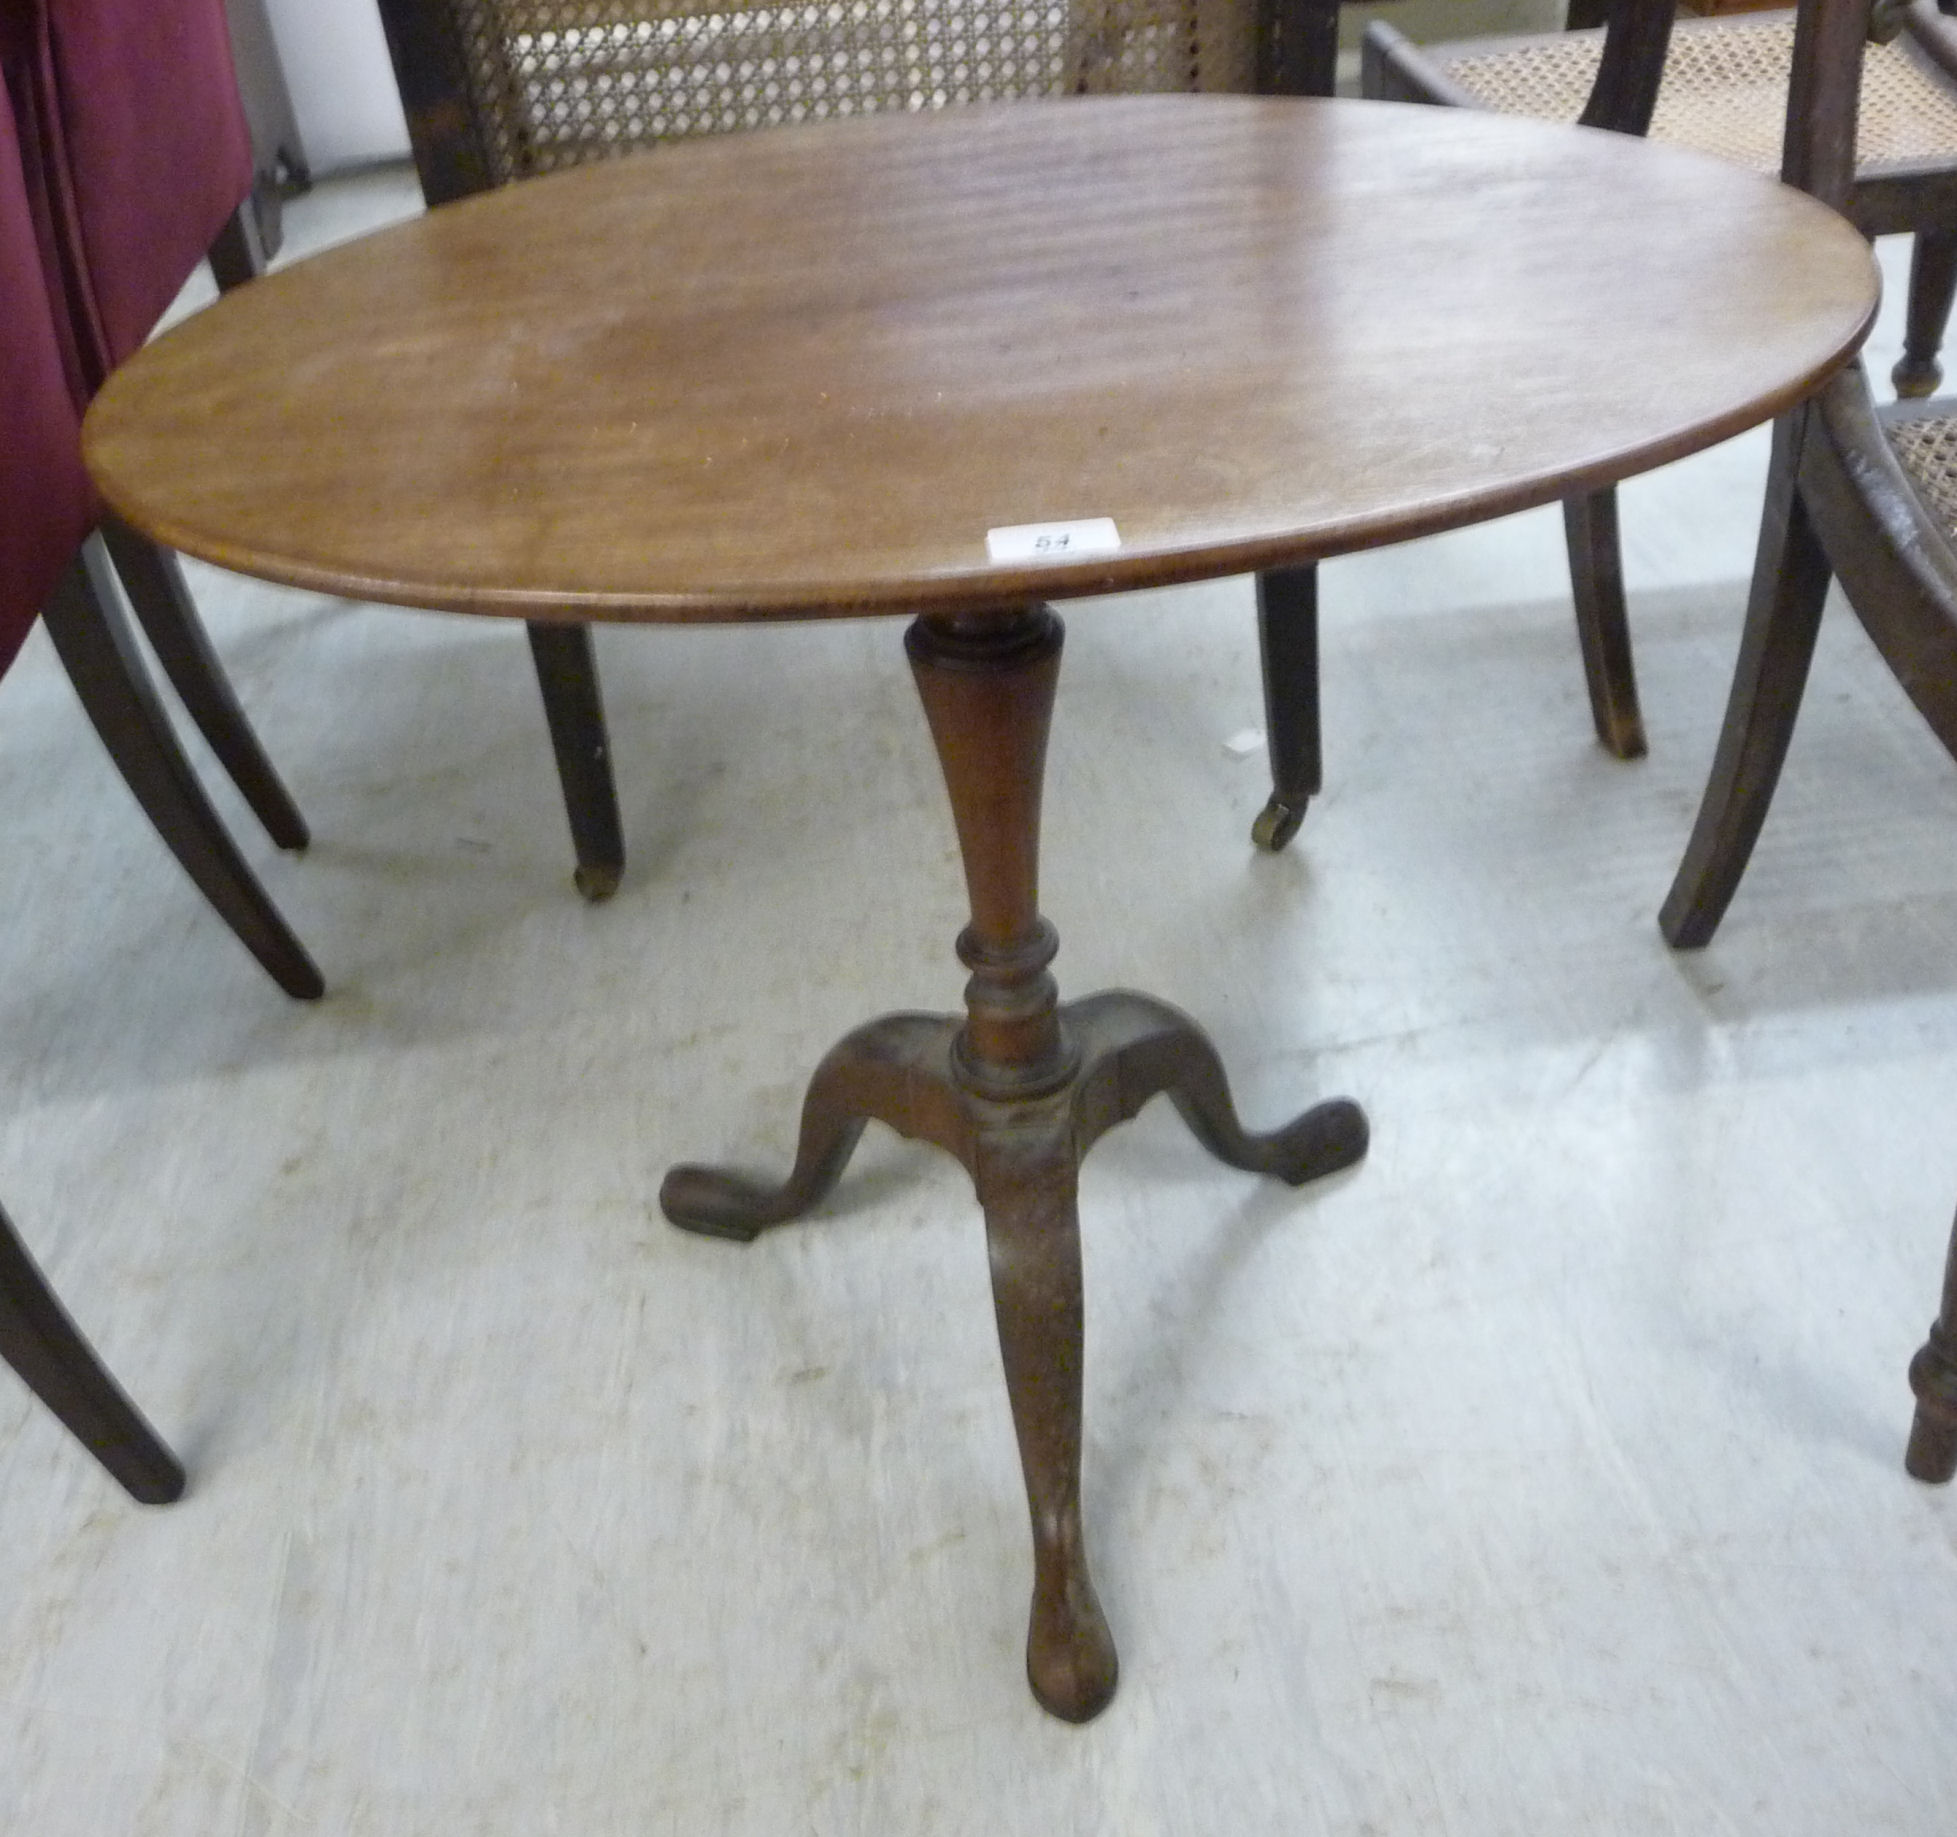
<point>1542,1475</point>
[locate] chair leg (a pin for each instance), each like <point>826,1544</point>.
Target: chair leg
<point>567,674</point>
<point>92,638</point>
<point>1932,1452</point>
<point>1298,49</point>
<point>1602,626</point>
<point>1932,284</point>
<point>41,1343</point>
<point>1783,618</point>
<point>1287,638</point>
<point>239,253</point>
<point>154,581</point>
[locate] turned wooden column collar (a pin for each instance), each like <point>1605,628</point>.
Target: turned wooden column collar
<point>987,680</point>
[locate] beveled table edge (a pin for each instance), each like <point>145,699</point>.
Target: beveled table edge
<point>1127,570</point>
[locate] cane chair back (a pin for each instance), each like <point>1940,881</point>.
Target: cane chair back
<point>498,90</point>
<point>561,81</point>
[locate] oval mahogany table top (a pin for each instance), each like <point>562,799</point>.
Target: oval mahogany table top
<point>805,371</point>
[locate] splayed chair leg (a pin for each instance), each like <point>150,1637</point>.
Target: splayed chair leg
<point>1603,625</point>
<point>153,579</point>
<point>60,1367</point>
<point>1287,639</point>
<point>1783,620</point>
<point>91,636</point>
<point>567,678</point>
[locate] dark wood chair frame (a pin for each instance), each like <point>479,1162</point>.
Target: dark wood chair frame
<point>153,580</point>
<point>93,639</point>
<point>1921,198</point>
<point>58,1365</point>
<point>97,647</point>
<point>1839,505</point>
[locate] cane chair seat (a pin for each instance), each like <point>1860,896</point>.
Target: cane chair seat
<point>558,82</point>
<point>1725,90</point>
<point>1925,445</point>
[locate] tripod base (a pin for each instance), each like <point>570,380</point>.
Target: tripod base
<point>1024,1153</point>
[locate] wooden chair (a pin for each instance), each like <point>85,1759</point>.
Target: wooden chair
<point>51,564</point>
<point>142,156</point>
<point>45,509</point>
<point>1868,495</point>
<point>1724,90</point>
<point>500,90</point>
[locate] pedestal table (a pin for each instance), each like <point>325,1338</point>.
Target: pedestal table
<point>958,366</point>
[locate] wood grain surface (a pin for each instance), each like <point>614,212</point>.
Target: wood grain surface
<point>804,372</point>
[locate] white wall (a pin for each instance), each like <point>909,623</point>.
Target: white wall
<point>342,85</point>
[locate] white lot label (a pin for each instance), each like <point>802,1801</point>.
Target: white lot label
<point>1052,541</point>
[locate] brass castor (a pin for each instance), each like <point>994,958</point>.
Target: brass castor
<point>1916,376</point>
<point>1277,823</point>
<point>597,884</point>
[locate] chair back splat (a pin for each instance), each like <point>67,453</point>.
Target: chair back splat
<point>497,90</point>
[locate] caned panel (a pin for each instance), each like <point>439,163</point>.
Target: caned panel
<point>557,82</point>
<point>1725,91</point>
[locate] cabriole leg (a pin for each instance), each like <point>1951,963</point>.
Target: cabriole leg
<point>1026,1178</point>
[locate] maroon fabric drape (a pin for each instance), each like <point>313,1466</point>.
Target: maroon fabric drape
<point>46,505</point>
<point>135,138</point>
<point>123,149</point>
